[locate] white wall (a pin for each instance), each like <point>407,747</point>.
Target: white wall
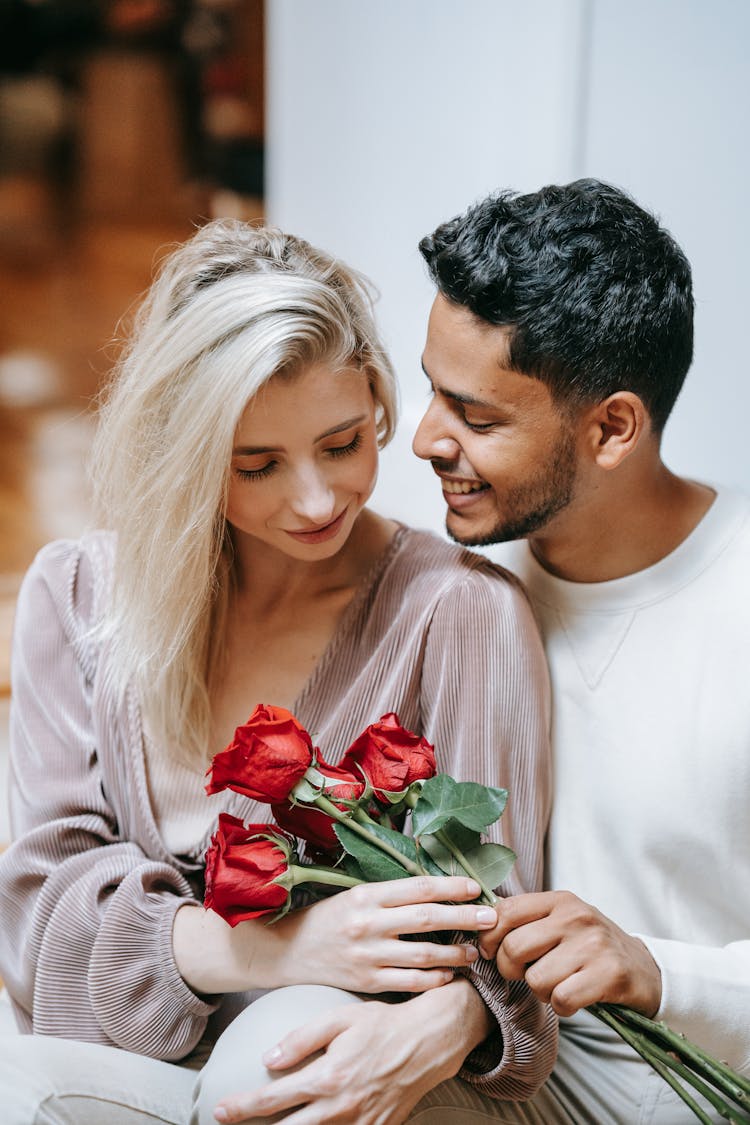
<point>668,119</point>
<point>386,117</point>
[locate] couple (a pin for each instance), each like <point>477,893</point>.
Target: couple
<point>236,452</point>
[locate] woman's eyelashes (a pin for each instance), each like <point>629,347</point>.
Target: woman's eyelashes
<point>256,474</point>
<point>333,451</point>
<point>345,450</point>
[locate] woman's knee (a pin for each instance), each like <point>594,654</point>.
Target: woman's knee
<point>236,1062</point>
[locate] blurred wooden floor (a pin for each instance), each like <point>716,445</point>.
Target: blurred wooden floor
<point>58,327</point>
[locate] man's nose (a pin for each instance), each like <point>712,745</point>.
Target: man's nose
<point>433,439</point>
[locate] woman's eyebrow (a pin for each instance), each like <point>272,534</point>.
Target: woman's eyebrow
<point>254,450</point>
<point>342,426</point>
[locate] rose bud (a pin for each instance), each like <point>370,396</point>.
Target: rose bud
<point>243,866</point>
<point>268,756</point>
<point>390,756</point>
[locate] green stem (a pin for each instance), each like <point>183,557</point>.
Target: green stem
<point>330,809</point>
<point>735,1086</point>
<point>700,1082</point>
<point>636,1041</point>
<point>362,817</point>
<point>487,895</point>
<point>302,873</point>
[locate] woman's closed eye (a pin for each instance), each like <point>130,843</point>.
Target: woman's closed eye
<point>270,467</point>
<point>256,474</point>
<point>344,450</point>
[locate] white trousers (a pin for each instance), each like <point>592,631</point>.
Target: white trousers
<point>598,1080</point>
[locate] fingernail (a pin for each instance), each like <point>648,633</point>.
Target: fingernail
<point>221,1114</point>
<point>473,888</point>
<point>486,915</point>
<point>472,953</point>
<point>273,1056</point>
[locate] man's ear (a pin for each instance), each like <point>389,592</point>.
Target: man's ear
<point>614,428</point>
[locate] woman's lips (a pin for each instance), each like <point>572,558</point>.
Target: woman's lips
<point>320,534</point>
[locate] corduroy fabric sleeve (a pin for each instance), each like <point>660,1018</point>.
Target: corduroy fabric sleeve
<point>85,944</point>
<point>486,699</point>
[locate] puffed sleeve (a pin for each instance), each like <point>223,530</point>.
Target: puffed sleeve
<point>486,708</point>
<point>85,941</point>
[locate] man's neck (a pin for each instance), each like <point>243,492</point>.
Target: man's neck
<point>622,527</point>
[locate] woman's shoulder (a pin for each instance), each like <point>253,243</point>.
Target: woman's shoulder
<point>422,554</point>
<point>75,575</point>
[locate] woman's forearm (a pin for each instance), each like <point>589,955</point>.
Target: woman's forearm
<point>213,957</point>
<point>350,940</point>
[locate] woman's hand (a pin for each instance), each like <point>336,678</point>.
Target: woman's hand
<point>352,939</point>
<point>379,1060</point>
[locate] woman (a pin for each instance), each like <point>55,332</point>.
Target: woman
<point>236,451</point>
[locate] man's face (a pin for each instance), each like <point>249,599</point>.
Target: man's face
<point>505,453</point>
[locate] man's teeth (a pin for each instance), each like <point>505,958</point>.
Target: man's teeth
<point>454,487</point>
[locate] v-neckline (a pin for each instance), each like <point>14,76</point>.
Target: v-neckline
<point>347,618</point>
<point>237,803</point>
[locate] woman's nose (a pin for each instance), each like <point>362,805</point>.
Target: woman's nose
<point>314,498</point>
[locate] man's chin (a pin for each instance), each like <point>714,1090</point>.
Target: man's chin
<point>478,537</point>
<point>470,537</point>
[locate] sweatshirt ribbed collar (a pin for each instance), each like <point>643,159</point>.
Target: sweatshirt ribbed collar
<point>706,542</point>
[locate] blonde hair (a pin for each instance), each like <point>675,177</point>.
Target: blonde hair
<point>230,309</point>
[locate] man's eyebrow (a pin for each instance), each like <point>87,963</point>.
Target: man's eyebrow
<point>464,400</point>
<point>254,450</point>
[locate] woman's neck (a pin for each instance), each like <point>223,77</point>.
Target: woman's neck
<point>266,577</point>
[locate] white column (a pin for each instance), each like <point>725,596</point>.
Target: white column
<point>384,118</point>
<point>668,120</point>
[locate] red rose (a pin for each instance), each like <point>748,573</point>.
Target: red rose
<point>312,824</point>
<point>390,756</point>
<point>242,863</point>
<point>269,755</point>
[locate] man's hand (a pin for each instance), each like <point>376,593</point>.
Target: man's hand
<point>570,955</point>
<point>377,1060</point>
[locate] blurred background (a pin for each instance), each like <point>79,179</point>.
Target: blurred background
<point>359,125</point>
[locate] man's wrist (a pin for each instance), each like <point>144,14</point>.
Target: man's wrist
<point>464,1019</point>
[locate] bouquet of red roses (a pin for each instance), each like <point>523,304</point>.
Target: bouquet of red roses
<point>348,815</point>
<point>352,817</point>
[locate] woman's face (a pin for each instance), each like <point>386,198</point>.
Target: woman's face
<point>304,461</point>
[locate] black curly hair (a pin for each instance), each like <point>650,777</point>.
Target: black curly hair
<point>596,294</point>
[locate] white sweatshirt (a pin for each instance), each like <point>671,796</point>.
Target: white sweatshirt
<point>651,743</point>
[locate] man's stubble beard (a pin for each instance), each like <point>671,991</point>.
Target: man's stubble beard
<point>532,505</point>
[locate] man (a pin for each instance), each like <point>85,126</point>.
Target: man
<point>557,344</point>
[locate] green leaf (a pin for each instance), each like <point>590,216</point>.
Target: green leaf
<point>404,844</point>
<point>465,840</point>
<point>425,860</point>
<point>443,799</point>
<point>374,864</point>
<point>492,863</point>
<point>351,867</point>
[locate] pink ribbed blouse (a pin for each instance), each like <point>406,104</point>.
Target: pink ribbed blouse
<point>88,889</point>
